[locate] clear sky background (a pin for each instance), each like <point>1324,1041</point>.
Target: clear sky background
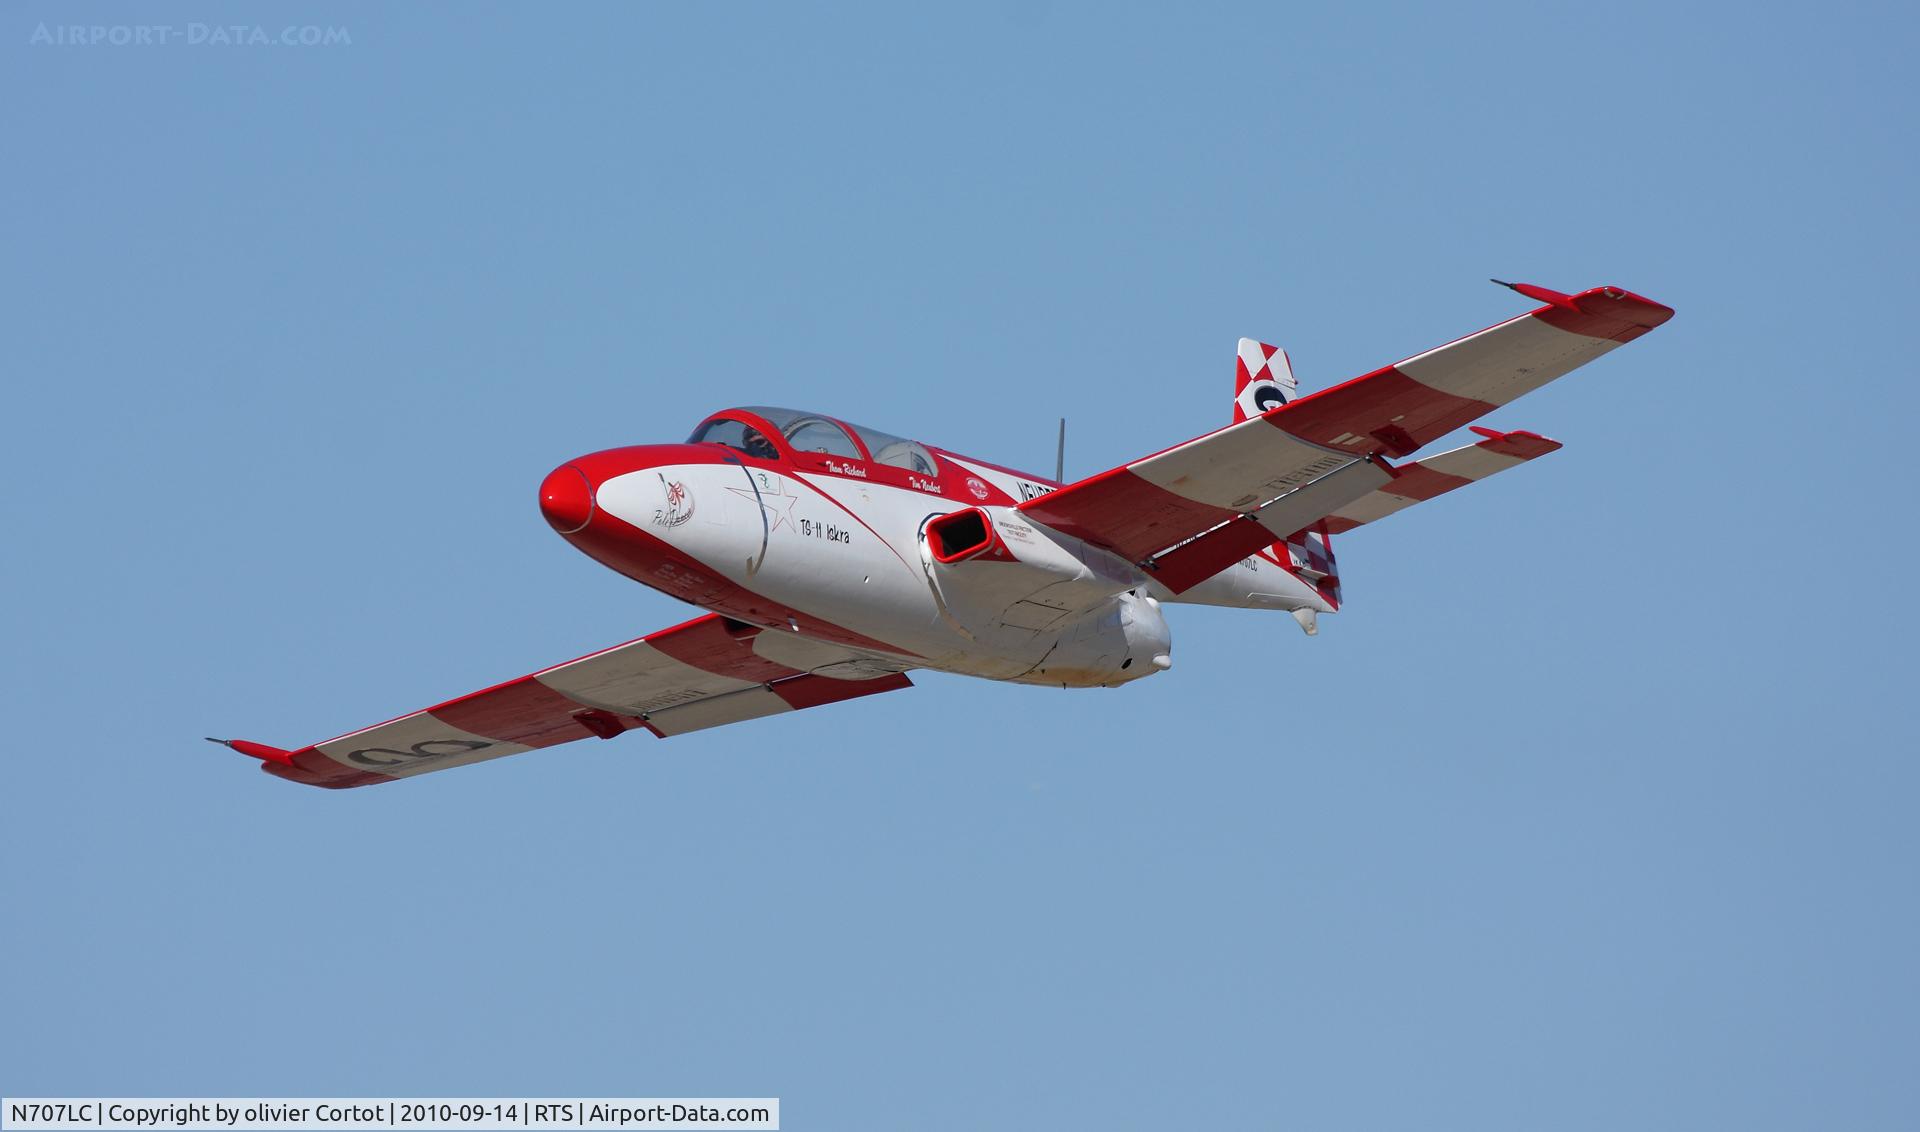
<point>1594,809</point>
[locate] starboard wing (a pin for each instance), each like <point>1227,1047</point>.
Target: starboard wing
<point>705,673</point>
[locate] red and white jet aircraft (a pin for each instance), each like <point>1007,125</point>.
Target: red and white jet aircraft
<point>836,558</point>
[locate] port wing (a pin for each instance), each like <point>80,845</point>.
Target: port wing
<point>1153,504</point>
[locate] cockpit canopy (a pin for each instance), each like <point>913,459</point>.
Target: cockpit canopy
<point>793,431</point>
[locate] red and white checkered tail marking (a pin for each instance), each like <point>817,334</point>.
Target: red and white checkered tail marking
<point>1310,556</point>
<point>1262,379</point>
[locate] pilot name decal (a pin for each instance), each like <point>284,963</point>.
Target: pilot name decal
<point>839,469</point>
<point>932,486</point>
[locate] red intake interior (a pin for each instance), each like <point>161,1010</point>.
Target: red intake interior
<point>959,536</point>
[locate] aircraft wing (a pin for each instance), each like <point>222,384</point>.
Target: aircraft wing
<point>1436,475</point>
<point>705,673</point>
<point>1365,491</point>
<point>1330,439</point>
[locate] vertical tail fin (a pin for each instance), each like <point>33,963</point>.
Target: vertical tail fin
<point>1262,380</point>
<point>1310,554</point>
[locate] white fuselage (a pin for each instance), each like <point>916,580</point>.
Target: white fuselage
<point>840,552</point>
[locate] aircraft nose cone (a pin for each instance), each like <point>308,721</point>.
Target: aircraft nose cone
<point>566,499</point>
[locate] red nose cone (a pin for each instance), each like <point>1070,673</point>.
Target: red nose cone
<point>566,499</point>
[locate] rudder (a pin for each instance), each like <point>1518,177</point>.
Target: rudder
<point>1262,379</point>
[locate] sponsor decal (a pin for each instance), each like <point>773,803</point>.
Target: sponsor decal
<point>1032,490</point>
<point>977,486</point>
<point>679,506</point>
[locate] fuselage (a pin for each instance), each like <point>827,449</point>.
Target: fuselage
<point>835,533</point>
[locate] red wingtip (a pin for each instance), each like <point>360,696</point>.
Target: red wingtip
<point>1541,294</point>
<point>259,751</point>
<point>1598,312</point>
<point>1623,305</point>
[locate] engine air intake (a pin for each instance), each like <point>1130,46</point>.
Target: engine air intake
<point>959,536</point>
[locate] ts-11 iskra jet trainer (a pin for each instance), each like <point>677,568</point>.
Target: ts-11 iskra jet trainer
<point>834,558</point>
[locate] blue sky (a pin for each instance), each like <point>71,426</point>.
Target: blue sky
<point>1595,807</point>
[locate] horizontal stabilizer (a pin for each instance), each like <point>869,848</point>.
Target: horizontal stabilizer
<point>1437,475</point>
<point>1193,562</point>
